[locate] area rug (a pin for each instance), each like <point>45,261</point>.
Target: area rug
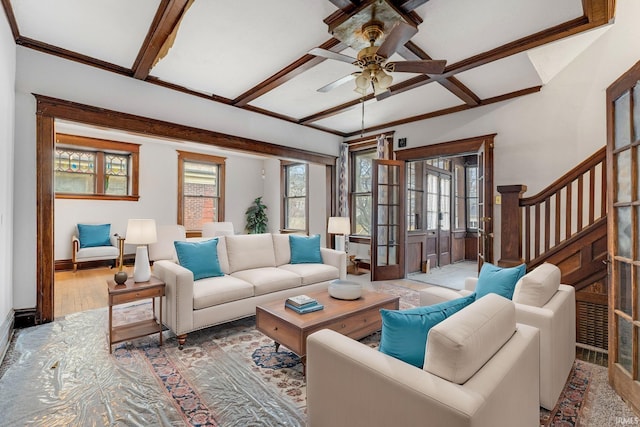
<point>61,373</point>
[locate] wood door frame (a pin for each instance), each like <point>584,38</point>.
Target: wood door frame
<point>458,148</point>
<point>49,109</point>
<point>627,387</point>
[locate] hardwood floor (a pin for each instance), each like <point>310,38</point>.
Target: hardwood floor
<point>82,290</point>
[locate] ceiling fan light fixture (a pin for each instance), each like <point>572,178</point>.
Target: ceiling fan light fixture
<point>362,81</point>
<point>384,79</point>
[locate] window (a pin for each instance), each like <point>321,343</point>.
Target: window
<point>295,192</point>
<point>90,168</point>
<point>415,194</point>
<point>472,197</point>
<point>361,191</point>
<point>200,190</point>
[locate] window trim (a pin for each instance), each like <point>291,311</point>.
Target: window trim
<point>284,165</point>
<point>100,147</point>
<point>205,158</point>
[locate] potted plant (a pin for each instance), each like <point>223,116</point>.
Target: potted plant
<point>257,217</point>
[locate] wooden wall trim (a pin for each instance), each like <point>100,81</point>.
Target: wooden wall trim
<point>114,119</point>
<point>457,147</point>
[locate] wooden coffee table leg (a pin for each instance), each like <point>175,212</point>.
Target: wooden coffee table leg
<point>277,345</point>
<point>303,360</point>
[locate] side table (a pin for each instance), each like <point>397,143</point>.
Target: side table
<point>131,291</point>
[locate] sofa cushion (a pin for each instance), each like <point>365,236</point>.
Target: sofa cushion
<point>199,257</point>
<point>305,249</point>
<point>282,249</point>
<point>164,248</point>
<point>538,286</point>
<point>269,279</point>
<point>498,280</point>
<point>460,345</point>
<point>222,255</point>
<point>404,332</point>
<point>218,290</point>
<point>247,251</point>
<point>313,273</point>
<point>92,235</point>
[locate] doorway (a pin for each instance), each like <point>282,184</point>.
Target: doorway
<point>447,185</point>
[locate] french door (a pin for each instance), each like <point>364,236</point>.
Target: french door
<point>485,202</point>
<point>438,215</point>
<point>388,225</point>
<point>623,220</point>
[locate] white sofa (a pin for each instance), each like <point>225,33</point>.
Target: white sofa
<point>256,270</point>
<point>481,369</point>
<point>541,301</point>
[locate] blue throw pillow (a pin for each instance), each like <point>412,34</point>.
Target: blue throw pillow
<point>91,235</point>
<point>199,257</point>
<point>497,280</point>
<point>305,250</point>
<point>404,332</point>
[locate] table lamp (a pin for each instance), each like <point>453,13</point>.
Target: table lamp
<point>341,227</point>
<point>141,232</point>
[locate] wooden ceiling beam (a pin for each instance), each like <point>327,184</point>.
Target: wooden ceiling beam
<point>289,72</point>
<point>409,5</point>
<point>449,110</point>
<point>72,56</point>
<point>345,5</point>
<point>164,24</point>
<point>11,18</point>
<point>452,84</point>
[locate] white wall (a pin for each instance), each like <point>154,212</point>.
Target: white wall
<point>542,136</point>
<point>158,170</point>
<point>47,75</point>
<point>7,108</point>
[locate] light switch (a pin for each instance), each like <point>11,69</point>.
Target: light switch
<point>498,199</point>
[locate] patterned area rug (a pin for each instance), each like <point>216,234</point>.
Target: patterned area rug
<point>228,375</point>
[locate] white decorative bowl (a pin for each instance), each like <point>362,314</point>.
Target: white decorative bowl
<point>344,289</point>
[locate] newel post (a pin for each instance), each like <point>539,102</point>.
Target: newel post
<point>511,225</point>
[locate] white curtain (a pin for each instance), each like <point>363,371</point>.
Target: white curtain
<point>343,181</point>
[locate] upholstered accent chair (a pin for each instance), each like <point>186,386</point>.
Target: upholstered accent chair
<point>93,242</point>
<point>543,302</point>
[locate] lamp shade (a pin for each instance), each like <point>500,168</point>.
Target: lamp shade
<point>141,231</point>
<point>339,225</point>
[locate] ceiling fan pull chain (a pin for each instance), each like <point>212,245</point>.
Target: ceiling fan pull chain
<point>362,128</point>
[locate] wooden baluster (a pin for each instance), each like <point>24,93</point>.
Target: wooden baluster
<point>547,223</point>
<point>527,211</point>
<point>592,193</point>
<point>568,211</point>
<point>536,233</point>
<point>558,200</point>
<point>580,203</point>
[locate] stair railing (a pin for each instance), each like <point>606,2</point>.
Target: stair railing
<point>533,225</point>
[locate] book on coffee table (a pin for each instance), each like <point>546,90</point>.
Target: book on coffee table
<point>305,309</point>
<point>301,301</point>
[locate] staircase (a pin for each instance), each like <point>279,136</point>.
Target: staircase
<point>566,225</point>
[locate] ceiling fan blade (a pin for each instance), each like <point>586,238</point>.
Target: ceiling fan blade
<point>431,66</point>
<point>324,53</point>
<point>383,95</point>
<point>340,81</point>
<point>399,35</point>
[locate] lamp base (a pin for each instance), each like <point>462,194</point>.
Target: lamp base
<point>120,277</point>
<point>141,268</point>
<point>340,243</point>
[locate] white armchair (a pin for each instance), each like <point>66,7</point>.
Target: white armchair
<point>213,229</point>
<point>542,302</point>
<point>81,254</point>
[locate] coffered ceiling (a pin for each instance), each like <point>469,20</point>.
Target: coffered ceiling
<point>253,54</point>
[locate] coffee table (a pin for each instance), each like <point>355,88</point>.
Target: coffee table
<point>353,318</point>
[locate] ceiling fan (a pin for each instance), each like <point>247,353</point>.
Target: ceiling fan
<point>376,21</point>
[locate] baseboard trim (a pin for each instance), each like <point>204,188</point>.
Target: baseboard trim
<point>6,333</point>
<point>24,318</point>
<point>67,264</point>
